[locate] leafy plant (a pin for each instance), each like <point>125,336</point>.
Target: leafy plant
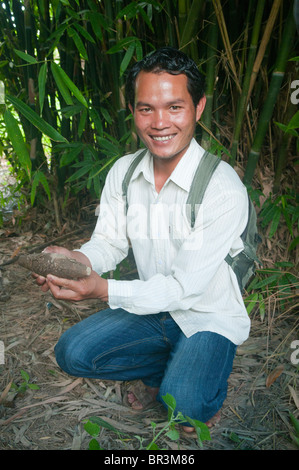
<point>94,425</point>
<point>279,282</point>
<point>25,384</point>
<point>284,206</point>
<point>64,63</point>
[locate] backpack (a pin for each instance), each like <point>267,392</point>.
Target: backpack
<point>244,263</point>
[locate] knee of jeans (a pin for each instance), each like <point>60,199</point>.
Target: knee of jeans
<point>67,355</point>
<point>199,405</point>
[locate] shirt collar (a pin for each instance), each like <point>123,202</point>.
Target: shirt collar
<point>183,173</point>
<point>146,168</point>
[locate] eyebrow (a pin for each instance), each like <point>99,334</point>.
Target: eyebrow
<point>169,103</point>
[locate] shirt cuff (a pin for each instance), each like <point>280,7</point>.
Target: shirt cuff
<point>120,294</point>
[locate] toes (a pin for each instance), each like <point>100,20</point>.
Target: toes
<point>188,429</point>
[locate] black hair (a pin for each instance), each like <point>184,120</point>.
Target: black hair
<point>172,61</point>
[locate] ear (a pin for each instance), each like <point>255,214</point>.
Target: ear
<point>200,107</point>
<point>131,108</point>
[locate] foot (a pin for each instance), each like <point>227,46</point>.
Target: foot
<point>210,423</point>
<point>140,396</point>
<point>136,404</point>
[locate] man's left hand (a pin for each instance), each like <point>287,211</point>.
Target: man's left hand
<point>91,287</point>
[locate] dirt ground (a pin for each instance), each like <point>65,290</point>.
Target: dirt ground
<point>254,416</point>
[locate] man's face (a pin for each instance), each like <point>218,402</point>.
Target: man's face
<point>165,115</point>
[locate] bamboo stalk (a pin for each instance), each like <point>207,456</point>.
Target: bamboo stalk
<point>226,41</point>
<point>280,162</point>
<point>274,88</point>
<point>265,39</point>
<point>182,15</point>
<point>242,102</point>
<point>193,19</point>
<point>170,24</point>
<point>210,78</point>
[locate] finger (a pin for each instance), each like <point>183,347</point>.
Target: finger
<point>45,287</point>
<point>62,282</point>
<point>57,249</point>
<point>40,280</point>
<point>63,289</point>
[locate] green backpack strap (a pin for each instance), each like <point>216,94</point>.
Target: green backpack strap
<point>125,184</point>
<point>203,174</point>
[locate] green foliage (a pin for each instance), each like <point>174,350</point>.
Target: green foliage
<point>64,65</point>
<point>65,121</point>
<point>94,424</point>
<point>18,143</point>
<point>280,283</point>
<point>25,384</point>
<point>284,206</point>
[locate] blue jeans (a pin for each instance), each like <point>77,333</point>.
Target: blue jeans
<point>117,345</point>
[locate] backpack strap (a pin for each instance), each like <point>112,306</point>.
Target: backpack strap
<point>203,174</point>
<point>133,165</point>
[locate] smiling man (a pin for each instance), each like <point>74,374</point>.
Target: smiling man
<point>175,329</point>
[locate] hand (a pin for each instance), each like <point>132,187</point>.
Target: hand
<point>91,287</point>
<point>42,281</point>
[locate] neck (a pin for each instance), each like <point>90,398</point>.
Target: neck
<point>161,174</point>
<point>163,167</point>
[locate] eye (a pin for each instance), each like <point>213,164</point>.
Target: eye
<point>145,110</point>
<point>175,107</point>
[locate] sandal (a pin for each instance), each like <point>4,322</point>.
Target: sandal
<point>142,394</point>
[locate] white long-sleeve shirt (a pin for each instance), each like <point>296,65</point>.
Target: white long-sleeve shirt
<point>181,271</point>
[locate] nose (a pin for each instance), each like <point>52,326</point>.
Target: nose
<point>160,119</point>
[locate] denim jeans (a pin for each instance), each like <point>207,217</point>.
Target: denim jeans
<point>117,345</point>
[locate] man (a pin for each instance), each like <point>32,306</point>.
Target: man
<point>176,328</point>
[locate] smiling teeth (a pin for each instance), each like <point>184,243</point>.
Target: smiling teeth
<point>163,138</point>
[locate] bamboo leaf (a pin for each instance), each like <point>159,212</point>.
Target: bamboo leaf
<point>37,121</point>
<point>27,57</point>
<point>139,52</point>
<point>96,120</point>
<point>275,222</point>
<point>67,82</point>
<point>85,168</point>
<point>250,302</point>
<point>17,141</point>
<point>82,122</point>
<point>39,177</point>
<point>84,33</point>
<point>128,11</point>
<point>61,84</point>
<point>104,424</point>
<point>269,280</point>
<point>294,122</point>
<point>69,156</point>
<point>145,17</point>
<point>42,77</point>
<point>121,44</point>
<point>127,58</point>
<point>98,21</point>
<point>70,111</point>
<point>108,147</point>
<point>58,33</point>
<point>106,115</point>
<point>274,375</point>
<point>78,42</point>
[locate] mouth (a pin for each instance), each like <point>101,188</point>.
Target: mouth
<point>162,138</point>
